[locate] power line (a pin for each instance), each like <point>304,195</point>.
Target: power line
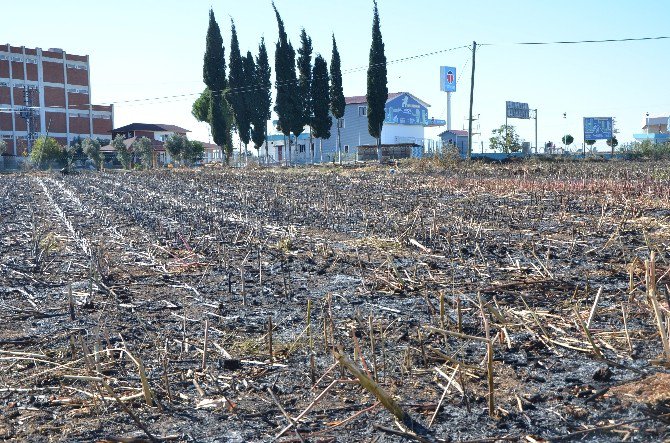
<point>577,42</point>
<point>251,88</point>
<point>255,87</point>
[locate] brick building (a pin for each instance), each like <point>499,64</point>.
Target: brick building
<point>58,85</point>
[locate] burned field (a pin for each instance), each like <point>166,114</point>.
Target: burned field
<point>525,302</point>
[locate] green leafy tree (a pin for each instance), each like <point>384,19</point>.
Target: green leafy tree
<point>238,83</point>
<point>177,145</point>
<point>612,143</point>
<point>568,139</point>
<point>201,109</point>
<point>505,139</point>
<point>45,151</point>
<point>377,92</point>
<point>262,98</point>
<point>144,151</point>
<point>91,147</point>
<point>68,154</point>
<point>303,96</point>
<point>214,76</point>
<point>320,93</point>
<point>122,152</point>
<point>286,83</point>
<point>194,152</point>
<point>181,149</point>
<point>337,101</point>
<point>590,143</point>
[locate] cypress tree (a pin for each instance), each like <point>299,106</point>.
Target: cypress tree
<point>320,94</point>
<point>303,96</point>
<point>285,82</point>
<point>214,76</point>
<point>262,98</point>
<point>337,102</point>
<point>237,91</point>
<point>248,96</point>
<point>377,93</point>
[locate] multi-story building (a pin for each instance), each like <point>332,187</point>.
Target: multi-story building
<point>47,92</point>
<point>656,130</point>
<point>406,117</point>
<point>158,133</point>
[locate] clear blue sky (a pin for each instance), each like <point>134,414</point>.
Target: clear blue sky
<point>144,49</point>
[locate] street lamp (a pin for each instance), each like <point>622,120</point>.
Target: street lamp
<point>565,115</point>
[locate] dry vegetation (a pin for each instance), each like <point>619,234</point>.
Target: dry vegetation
<point>523,302</point>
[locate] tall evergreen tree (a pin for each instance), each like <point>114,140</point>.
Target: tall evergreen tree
<point>320,94</point>
<point>249,98</point>
<point>303,97</point>
<point>262,98</point>
<point>285,82</point>
<point>377,93</point>
<point>237,91</point>
<point>214,76</point>
<point>337,102</point>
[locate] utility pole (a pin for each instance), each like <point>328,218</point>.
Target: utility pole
<point>28,114</point>
<point>535,130</point>
<point>472,92</point>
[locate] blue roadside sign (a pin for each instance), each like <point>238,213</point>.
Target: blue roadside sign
<point>597,128</point>
<point>447,79</point>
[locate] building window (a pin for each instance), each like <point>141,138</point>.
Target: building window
<point>362,111</point>
<point>340,123</point>
<point>301,149</point>
<point>346,149</point>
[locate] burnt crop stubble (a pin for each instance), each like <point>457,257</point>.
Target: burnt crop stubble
<point>518,302</point>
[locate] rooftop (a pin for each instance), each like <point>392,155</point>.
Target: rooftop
<point>654,121</point>
<point>458,132</point>
<point>155,127</point>
<point>356,99</point>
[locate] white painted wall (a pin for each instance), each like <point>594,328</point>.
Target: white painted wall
<point>393,133</point>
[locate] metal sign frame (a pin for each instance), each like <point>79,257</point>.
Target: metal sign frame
<point>598,128</point>
<point>517,110</point>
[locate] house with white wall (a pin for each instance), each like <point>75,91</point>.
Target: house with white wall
<point>406,117</point>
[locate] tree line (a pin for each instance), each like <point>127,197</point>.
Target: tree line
<point>308,93</point>
<point>138,154</point>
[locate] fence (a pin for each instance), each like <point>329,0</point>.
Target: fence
<point>12,162</point>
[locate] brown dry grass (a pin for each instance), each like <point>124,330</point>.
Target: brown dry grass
<point>651,390</point>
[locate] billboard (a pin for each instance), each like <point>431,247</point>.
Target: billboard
<point>406,110</point>
<point>517,110</point>
<point>447,79</point>
<point>597,128</point>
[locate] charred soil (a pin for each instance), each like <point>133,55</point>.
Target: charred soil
<point>521,302</point>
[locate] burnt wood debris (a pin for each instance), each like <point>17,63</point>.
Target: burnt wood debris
<point>473,303</point>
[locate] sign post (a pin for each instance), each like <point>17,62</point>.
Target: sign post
<point>448,85</point>
<point>516,110</point>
